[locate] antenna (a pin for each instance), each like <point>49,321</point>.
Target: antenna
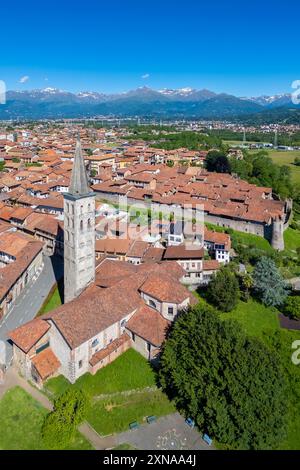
<point>276,138</point>
<point>244,136</point>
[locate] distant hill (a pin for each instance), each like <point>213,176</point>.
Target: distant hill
<point>52,103</point>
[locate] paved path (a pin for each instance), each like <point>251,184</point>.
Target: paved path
<point>29,302</point>
<point>167,433</point>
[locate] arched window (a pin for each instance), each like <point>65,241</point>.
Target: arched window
<point>89,207</point>
<point>81,209</point>
<point>89,223</point>
<point>81,225</point>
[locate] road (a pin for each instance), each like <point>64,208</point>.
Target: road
<point>29,302</point>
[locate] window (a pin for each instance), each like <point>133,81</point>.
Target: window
<point>42,347</point>
<point>80,364</point>
<point>81,225</point>
<point>95,342</point>
<point>133,336</point>
<point>152,303</point>
<point>148,347</point>
<point>170,310</point>
<point>89,223</point>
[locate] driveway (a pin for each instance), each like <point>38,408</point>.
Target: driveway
<point>29,303</point>
<point>167,433</point>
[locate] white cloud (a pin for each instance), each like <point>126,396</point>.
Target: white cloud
<point>24,79</point>
<point>46,79</point>
<point>146,75</point>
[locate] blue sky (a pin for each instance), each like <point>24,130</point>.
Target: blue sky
<point>233,46</point>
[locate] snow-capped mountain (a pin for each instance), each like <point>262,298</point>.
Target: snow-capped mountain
<point>144,101</point>
<point>272,101</point>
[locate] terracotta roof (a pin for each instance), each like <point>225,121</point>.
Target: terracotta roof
<point>46,363</point>
<point>184,251</point>
<point>211,265</point>
<point>26,336</point>
<point>164,289</point>
<point>149,325</point>
<point>113,346</point>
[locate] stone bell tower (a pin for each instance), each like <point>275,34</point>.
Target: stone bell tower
<point>79,230</point>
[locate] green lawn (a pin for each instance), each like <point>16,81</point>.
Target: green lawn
<point>255,318</point>
<point>130,371</point>
<point>291,239</point>
<point>53,301</point>
<point>281,157</point>
<point>117,412</point>
<point>21,419</point>
<point>263,323</point>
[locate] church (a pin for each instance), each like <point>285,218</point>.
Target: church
<point>108,309</point>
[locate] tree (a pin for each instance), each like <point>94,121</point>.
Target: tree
<point>246,282</point>
<point>292,307</point>
<point>223,290</point>
<point>268,283</point>
<point>231,385</point>
<point>73,404</point>
<point>59,426</point>
<point>216,161</point>
<point>57,432</point>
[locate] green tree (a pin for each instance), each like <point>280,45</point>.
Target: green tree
<point>73,404</point>
<point>233,386</point>
<point>57,431</point>
<point>216,161</point>
<point>223,290</point>
<point>246,282</point>
<point>292,307</point>
<point>59,426</point>
<point>268,283</point>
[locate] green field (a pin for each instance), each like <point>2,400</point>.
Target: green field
<point>113,415</point>
<point>282,157</point>
<point>21,421</point>
<point>130,393</point>
<point>130,371</point>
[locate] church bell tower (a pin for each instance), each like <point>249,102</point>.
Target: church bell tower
<point>79,230</point>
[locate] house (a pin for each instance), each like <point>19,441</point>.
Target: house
<point>126,306</point>
<point>21,261</point>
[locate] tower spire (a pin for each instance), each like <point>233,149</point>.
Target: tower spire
<point>79,182</point>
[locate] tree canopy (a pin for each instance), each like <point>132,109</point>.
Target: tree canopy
<point>232,385</point>
<point>268,283</point>
<point>223,290</point>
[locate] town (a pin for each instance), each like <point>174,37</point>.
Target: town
<point>105,240</point>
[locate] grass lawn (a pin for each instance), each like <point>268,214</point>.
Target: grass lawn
<point>291,239</point>
<point>53,301</point>
<point>255,318</point>
<point>130,371</point>
<point>263,323</point>
<point>281,157</point>
<point>21,419</point>
<point>117,412</point>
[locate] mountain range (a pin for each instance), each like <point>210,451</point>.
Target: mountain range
<point>52,103</point>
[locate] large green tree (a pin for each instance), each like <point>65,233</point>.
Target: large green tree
<point>232,385</point>
<point>268,283</point>
<point>223,290</point>
<point>218,162</point>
